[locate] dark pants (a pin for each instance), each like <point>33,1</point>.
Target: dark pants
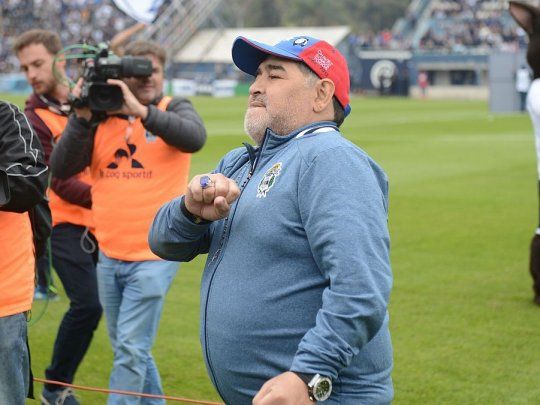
<point>522,100</point>
<point>77,272</point>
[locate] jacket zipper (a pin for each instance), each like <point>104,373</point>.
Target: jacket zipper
<point>253,158</point>
<point>253,163</point>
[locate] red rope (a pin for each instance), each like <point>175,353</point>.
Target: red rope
<point>137,394</point>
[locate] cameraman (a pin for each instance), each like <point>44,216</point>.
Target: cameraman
<point>139,158</point>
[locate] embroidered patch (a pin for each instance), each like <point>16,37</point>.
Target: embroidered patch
<point>322,60</point>
<point>301,41</point>
<point>268,180</point>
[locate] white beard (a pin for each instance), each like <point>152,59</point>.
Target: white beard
<point>255,123</point>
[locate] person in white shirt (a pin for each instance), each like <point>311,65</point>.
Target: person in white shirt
<point>523,81</point>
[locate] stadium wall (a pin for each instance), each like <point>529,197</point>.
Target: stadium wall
<point>450,75</point>
<point>503,96</point>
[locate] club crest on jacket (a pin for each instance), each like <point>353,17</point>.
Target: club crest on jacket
<point>268,180</point>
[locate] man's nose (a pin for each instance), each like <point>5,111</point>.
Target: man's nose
<point>30,73</point>
<point>255,87</point>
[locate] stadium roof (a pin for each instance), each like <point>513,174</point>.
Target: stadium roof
<point>214,45</point>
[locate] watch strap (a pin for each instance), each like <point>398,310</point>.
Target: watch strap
<point>193,218</point>
<point>306,378</point>
<point>313,383</point>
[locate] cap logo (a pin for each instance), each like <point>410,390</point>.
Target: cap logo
<point>301,41</point>
<point>322,60</point>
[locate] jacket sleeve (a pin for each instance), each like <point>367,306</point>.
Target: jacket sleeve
<point>73,152</point>
<point>343,207</point>
<point>23,172</point>
<point>72,190</point>
<point>42,131</point>
<point>180,126</point>
<point>174,237</point>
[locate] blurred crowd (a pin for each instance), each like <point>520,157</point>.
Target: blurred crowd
<point>458,25</point>
<point>453,26</point>
<point>384,39</point>
<point>75,20</point>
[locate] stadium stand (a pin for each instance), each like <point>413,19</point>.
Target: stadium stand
<point>456,26</point>
<point>75,20</point>
<point>178,21</point>
<point>450,40</point>
<point>96,21</point>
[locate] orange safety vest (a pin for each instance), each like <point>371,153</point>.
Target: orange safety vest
<point>17,263</point>
<point>63,211</point>
<point>134,173</point>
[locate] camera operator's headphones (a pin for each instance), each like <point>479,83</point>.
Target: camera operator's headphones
<point>68,53</point>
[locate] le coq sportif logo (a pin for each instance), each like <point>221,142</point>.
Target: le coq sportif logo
<point>122,154</point>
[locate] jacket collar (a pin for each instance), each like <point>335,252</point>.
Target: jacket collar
<point>47,102</point>
<point>272,141</point>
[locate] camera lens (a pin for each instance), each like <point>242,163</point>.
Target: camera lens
<point>133,66</point>
<point>104,97</point>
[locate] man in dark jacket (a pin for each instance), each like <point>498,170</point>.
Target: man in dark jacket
<point>139,158</point>
<point>74,253</point>
<point>23,179</point>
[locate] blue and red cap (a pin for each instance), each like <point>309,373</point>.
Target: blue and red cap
<point>321,57</point>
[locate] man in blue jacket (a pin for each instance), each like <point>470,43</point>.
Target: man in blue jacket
<point>295,290</point>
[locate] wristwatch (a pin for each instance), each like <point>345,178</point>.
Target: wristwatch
<point>319,387</point>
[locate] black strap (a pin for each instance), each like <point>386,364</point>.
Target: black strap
<point>193,218</point>
<point>306,378</point>
<point>30,393</point>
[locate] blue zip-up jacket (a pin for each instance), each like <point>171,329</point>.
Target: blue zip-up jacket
<point>298,275</point>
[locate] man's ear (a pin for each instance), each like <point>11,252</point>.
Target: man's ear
<point>325,92</point>
<point>524,14</point>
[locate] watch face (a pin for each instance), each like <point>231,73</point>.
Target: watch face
<point>322,389</point>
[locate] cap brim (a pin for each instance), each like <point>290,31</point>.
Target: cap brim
<point>247,54</point>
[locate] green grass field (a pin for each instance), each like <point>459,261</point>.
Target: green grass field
<point>463,208</point>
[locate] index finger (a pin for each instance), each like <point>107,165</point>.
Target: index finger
<point>123,86</point>
<point>76,91</point>
<point>233,192</point>
<point>116,82</point>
